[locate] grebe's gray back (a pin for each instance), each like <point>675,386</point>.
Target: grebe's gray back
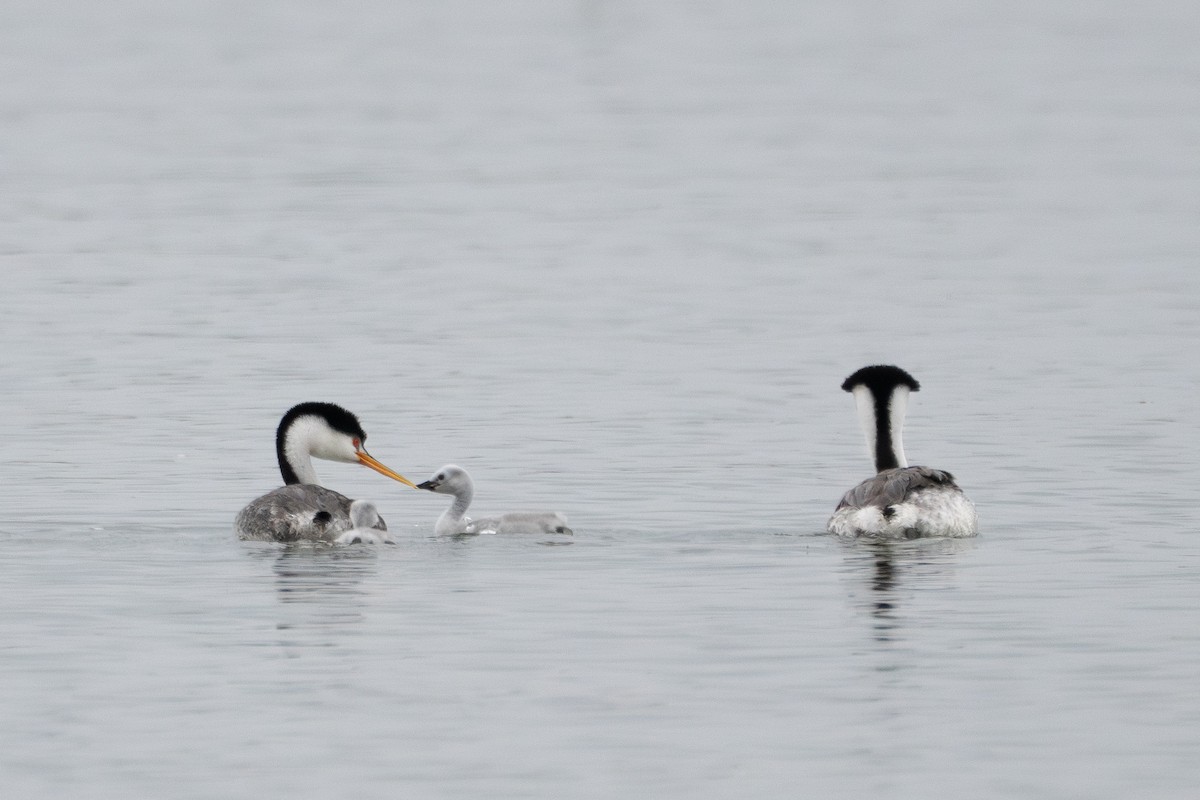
<point>454,480</point>
<point>900,501</point>
<point>302,510</point>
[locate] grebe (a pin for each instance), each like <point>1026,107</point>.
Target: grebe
<point>901,502</point>
<point>364,518</point>
<point>454,480</point>
<point>302,510</point>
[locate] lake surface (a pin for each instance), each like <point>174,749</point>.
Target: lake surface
<point>615,258</point>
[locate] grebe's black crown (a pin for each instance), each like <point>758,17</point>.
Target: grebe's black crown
<point>880,380</point>
<point>338,418</point>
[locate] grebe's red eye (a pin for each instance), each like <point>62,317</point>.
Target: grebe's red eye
<point>357,444</point>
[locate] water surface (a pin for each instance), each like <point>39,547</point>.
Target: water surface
<point>615,260</point>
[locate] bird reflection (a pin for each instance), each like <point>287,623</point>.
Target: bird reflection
<point>883,579</point>
<point>898,570</point>
<point>308,574</point>
<point>877,560</point>
<point>319,590</point>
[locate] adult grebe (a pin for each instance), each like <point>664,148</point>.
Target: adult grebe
<point>901,502</point>
<point>301,510</point>
<point>364,518</point>
<point>454,480</point>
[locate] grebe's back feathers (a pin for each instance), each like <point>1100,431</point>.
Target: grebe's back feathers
<point>520,522</point>
<point>298,511</point>
<point>895,485</point>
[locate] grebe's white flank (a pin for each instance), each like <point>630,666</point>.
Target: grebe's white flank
<point>900,501</point>
<point>302,510</point>
<point>454,480</point>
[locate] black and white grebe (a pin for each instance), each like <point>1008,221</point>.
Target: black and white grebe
<point>303,510</point>
<point>900,502</point>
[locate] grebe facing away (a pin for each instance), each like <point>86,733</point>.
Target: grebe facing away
<point>900,502</point>
<point>302,510</point>
<point>454,480</point>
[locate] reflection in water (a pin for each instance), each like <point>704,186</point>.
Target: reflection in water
<point>882,584</point>
<point>890,567</point>
<point>320,588</point>
<point>307,573</point>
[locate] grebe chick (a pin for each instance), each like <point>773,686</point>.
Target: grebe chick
<point>364,518</point>
<point>454,480</point>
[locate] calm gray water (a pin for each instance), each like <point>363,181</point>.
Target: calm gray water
<point>615,258</point>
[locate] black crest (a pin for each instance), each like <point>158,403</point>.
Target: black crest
<point>338,418</point>
<point>880,380</point>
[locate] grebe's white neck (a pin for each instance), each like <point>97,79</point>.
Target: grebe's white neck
<point>309,436</point>
<point>882,420</point>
